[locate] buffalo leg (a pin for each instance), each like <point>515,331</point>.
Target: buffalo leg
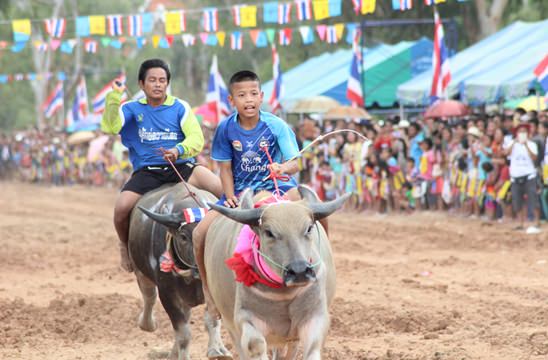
<point>148,291</point>
<point>215,347</point>
<point>179,314</point>
<point>313,336</point>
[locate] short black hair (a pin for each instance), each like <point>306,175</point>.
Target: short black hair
<point>153,63</point>
<point>243,75</point>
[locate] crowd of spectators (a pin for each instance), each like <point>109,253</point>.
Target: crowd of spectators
<point>493,166</point>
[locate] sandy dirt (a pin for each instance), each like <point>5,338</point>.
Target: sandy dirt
<point>427,286</point>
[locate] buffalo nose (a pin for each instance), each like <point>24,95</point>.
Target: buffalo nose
<point>299,273</point>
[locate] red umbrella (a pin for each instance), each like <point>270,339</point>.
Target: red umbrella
<point>446,108</point>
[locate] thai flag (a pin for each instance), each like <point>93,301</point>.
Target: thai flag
<point>55,27</point>
<point>354,90</point>
<point>429,2</point>
<point>98,102</point>
<point>277,91</point>
<point>285,36</point>
<point>541,73</point>
<point>236,40</point>
<point>188,39</point>
<point>402,4</point>
<point>210,20</point>
<point>217,93</point>
<point>90,46</point>
<point>54,102</point>
<point>331,35</point>
<point>135,25</point>
<point>304,9</point>
<point>192,215</point>
<point>115,25</point>
<point>357,5</point>
<point>284,13</point>
<point>440,62</point>
<point>79,109</point>
<point>183,20</point>
<point>236,14</point>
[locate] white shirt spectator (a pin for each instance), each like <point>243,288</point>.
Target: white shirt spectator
<point>521,163</point>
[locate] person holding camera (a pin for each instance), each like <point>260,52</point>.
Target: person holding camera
<point>523,153</point>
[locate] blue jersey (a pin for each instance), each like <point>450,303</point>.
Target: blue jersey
<point>146,129</point>
<point>244,148</point>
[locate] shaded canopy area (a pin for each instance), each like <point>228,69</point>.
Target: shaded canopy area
<point>500,66</point>
<point>385,67</point>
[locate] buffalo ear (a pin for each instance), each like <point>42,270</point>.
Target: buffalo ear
<point>171,220</point>
<point>308,194</point>
<point>244,216</point>
<point>322,210</point>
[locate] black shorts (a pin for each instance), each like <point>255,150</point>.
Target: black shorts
<point>520,189</point>
<point>152,177</point>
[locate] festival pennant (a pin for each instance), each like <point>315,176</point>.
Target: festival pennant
<point>148,22</point>
<point>248,16</point>
<point>335,8</point>
<point>82,26</point>
<point>55,27</point>
<point>21,30</point>
<point>236,14</point>
<point>175,22</point>
<point>90,46</point>
<point>321,9</point>
<point>307,34</point>
<point>135,25</point>
<point>18,46</point>
<point>141,41</point>
<point>210,20</point>
<point>284,13</point>
<point>321,29</point>
<point>304,9</point>
<point>270,12</point>
<point>115,25</point>
<point>54,44</point>
<point>285,36</point>
<point>221,37</point>
<point>97,25</point>
<point>271,35</point>
<point>236,40</point>
<point>188,40</point>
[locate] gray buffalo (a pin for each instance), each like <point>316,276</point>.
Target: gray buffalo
<point>147,242</point>
<point>262,319</point>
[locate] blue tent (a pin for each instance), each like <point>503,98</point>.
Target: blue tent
<point>327,74</point>
<point>500,66</point>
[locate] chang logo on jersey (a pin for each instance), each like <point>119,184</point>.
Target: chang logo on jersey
<point>237,145</point>
<point>140,117</point>
<point>251,162</point>
<point>264,143</point>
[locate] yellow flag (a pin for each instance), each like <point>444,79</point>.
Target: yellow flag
<point>173,23</point>
<point>368,6</point>
<point>155,41</point>
<point>321,9</point>
<point>221,36</point>
<point>97,25</point>
<point>21,26</point>
<point>248,16</point>
<point>438,1</point>
<point>339,29</point>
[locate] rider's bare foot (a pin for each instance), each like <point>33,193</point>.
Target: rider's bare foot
<point>125,262</point>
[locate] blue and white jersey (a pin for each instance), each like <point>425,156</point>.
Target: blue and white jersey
<point>244,149</point>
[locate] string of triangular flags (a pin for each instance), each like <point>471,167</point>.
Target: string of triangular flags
<point>330,34</point>
<point>175,22</point>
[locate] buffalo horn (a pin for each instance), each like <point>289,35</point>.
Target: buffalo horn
<point>172,220</point>
<point>244,216</point>
<point>324,209</point>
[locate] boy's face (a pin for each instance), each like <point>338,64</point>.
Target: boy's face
<point>246,97</point>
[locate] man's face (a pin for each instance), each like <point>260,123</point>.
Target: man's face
<point>246,97</point>
<point>155,84</point>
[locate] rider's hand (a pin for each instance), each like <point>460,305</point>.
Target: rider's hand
<point>231,201</point>
<point>277,169</point>
<point>171,154</point>
<point>118,87</point>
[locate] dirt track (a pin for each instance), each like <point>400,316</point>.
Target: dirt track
<point>421,287</point>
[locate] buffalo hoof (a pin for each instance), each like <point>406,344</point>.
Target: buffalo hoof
<point>219,354</point>
<point>147,324</point>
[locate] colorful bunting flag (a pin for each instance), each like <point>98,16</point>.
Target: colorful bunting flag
<point>321,9</point>
<point>55,27</point>
<point>210,20</point>
<point>90,46</point>
<point>304,9</point>
<point>236,40</point>
<point>221,37</point>
<point>54,44</point>
<point>21,30</point>
<point>248,16</point>
<point>321,29</point>
<point>402,4</point>
<point>307,34</point>
<point>67,46</point>
<point>365,6</point>
<point>148,22</point>
<point>115,25</point>
<point>285,36</point>
<point>236,14</point>
<point>284,13</point>
<point>270,12</point>
<point>271,35</point>
<point>97,25</point>
<point>141,41</point>
<point>331,35</point>
<point>188,40</point>
<point>40,46</point>
<point>82,26</point>
<point>135,25</point>
<point>175,22</point>
<point>18,46</point>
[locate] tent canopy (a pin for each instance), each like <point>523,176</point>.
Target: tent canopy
<point>498,66</point>
<point>385,67</point>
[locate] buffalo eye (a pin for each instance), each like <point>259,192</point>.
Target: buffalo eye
<point>309,229</point>
<point>269,233</point>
